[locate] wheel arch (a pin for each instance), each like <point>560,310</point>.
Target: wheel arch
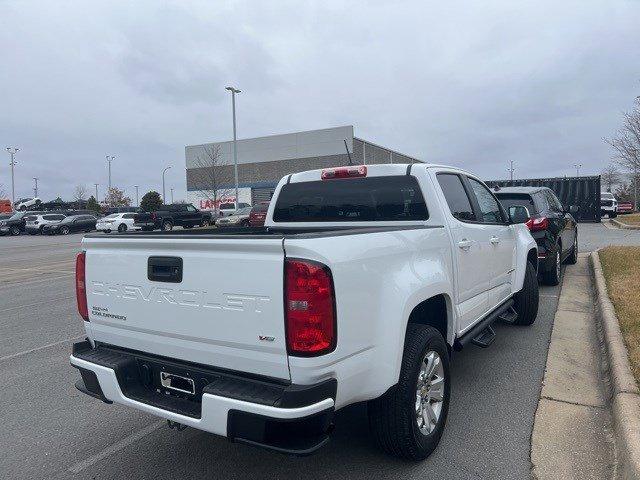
<point>437,312</point>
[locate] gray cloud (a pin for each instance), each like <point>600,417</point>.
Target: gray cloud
<point>475,84</point>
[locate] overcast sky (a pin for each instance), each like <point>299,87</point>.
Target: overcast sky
<point>473,84</point>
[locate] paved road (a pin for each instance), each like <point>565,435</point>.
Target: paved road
<point>52,431</point>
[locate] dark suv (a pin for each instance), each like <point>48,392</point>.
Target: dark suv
<point>551,224</point>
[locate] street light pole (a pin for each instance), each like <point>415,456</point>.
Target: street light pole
<point>35,188</point>
<point>172,196</point>
<point>511,169</point>
<point>12,151</point>
<point>96,185</point>
<point>235,139</point>
<point>137,202</point>
<point>578,166</point>
<point>109,160</point>
<point>163,172</point>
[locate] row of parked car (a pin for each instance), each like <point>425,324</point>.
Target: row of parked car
<point>169,216</point>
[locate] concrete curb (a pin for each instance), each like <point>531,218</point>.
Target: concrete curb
<point>625,395</point>
<point>624,226</point>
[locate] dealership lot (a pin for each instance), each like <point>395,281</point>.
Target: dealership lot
<point>53,431</point>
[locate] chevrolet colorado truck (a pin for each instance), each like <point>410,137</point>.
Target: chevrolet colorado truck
<point>359,288</point>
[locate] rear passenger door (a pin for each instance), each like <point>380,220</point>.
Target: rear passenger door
<point>470,247</point>
<point>499,239</point>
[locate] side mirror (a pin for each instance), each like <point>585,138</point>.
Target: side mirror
<point>574,209</point>
<point>519,214</point>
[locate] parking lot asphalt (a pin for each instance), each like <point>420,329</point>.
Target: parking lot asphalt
<point>50,430</point>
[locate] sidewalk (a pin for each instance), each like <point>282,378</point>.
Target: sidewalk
<point>572,436</point>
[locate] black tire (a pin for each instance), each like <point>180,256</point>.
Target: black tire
<point>392,417</point>
<point>167,226</point>
<point>554,275</point>
<point>244,223</point>
<point>206,223</point>
<point>526,300</point>
<point>573,258</point>
<point>613,215</point>
<point>122,228</point>
<point>107,231</point>
<point>64,230</point>
<point>15,231</point>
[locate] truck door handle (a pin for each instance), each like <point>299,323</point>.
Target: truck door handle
<point>465,244</point>
<point>495,240</point>
<point>164,269</point>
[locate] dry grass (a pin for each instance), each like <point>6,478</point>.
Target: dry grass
<point>621,267</point>
<point>631,219</point>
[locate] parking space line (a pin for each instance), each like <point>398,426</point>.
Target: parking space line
<point>56,299</point>
<point>19,283</point>
<point>116,447</point>
<point>49,345</point>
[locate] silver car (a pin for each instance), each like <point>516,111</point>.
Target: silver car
<point>238,219</point>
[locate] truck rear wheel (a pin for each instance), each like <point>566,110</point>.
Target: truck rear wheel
<point>408,420</point>
<point>526,300</point>
<point>167,226</point>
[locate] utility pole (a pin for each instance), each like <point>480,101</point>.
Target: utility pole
<point>137,202</point>
<point>578,166</point>
<point>511,169</point>
<point>109,160</point>
<point>235,140</point>
<point>12,152</point>
<point>164,200</point>
<point>35,188</point>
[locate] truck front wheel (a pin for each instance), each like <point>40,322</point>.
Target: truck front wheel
<point>526,300</point>
<point>408,420</point>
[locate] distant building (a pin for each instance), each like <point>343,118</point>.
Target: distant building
<point>263,161</point>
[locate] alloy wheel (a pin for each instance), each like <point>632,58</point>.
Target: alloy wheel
<point>429,392</point>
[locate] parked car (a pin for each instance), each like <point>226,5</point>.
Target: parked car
<point>226,209</point>
<point>625,207</point>
<point>239,219</point>
<point>608,205</point>
<point>362,283</point>
<point>169,216</point>
<point>35,223</point>
<point>15,224</point>
<point>26,203</point>
<point>120,222</point>
<point>258,214</point>
<point>551,225</point>
<point>72,223</point>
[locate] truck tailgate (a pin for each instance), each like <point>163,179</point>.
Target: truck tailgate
<point>226,311</point>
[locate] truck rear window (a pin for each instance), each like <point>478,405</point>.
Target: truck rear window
<point>371,199</point>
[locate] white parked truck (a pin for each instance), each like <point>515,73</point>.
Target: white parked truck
<point>360,286</point>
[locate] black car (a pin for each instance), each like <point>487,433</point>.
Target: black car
<point>73,223</point>
<point>551,224</point>
<point>169,216</point>
<point>15,224</point>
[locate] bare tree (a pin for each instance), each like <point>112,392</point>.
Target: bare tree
<point>80,193</point>
<point>626,142</point>
<point>212,176</point>
<point>610,177</point>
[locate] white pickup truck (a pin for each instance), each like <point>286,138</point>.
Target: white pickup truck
<point>360,286</point>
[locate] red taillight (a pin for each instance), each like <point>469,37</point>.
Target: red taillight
<point>535,224</point>
<point>309,308</point>
<point>81,287</point>
<point>344,172</point>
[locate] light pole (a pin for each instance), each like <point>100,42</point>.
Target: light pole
<point>137,202</point>
<point>511,169</point>
<point>172,196</point>
<point>163,172</point>
<point>35,188</point>
<point>96,185</point>
<point>235,140</point>
<point>109,160</point>
<point>578,166</point>
<point>12,152</point>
